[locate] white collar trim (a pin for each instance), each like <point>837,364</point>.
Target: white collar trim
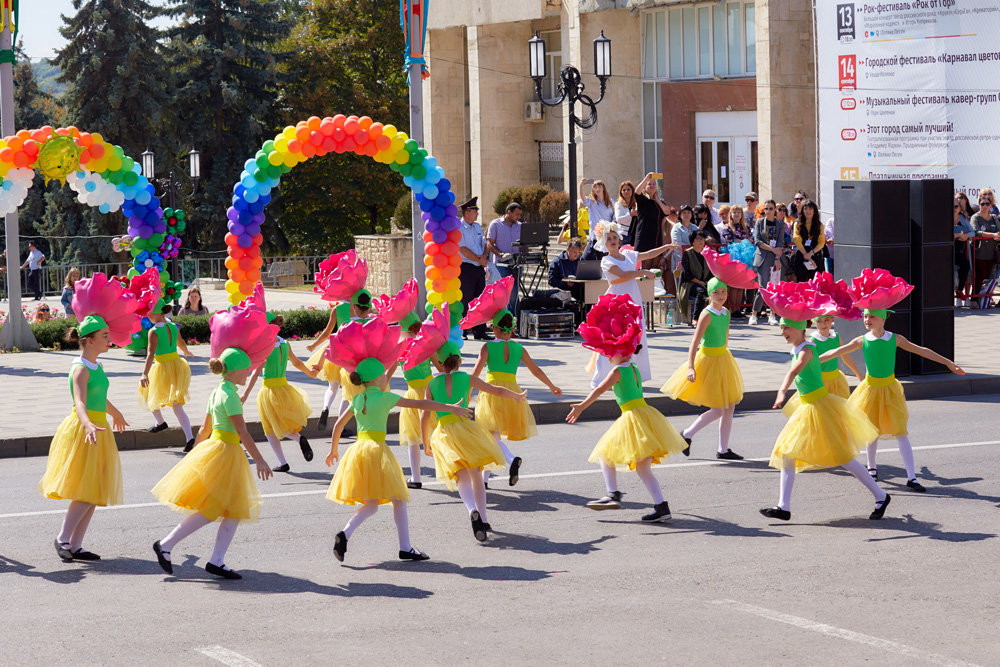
<point>821,338</point>
<point>885,336</point>
<point>799,347</point>
<point>89,364</point>
<point>711,309</point>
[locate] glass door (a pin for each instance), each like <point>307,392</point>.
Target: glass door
<point>714,168</point>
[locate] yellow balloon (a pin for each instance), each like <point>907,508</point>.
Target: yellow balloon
<point>274,158</point>
<point>289,160</point>
<point>396,145</point>
<point>402,136</point>
<point>435,298</point>
<point>281,145</point>
<point>390,131</point>
<point>429,285</point>
<point>288,132</point>
<point>232,287</point>
<point>402,157</point>
<point>235,299</point>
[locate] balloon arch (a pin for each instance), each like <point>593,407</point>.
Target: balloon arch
<point>343,134</point>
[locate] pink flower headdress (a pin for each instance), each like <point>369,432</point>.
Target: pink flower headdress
<point>340,276</point>
<point>103,302</point>
<point>493,299</point>
<point>824,283</point>
<point>432,337</point>
<point>877,289</point>
<point>732,272</point>
<point>613,326</point>
<point>146,289</point>
<point>797,302</point>
<point>367,348</point>
<point>243,327</point>
<point>393,309</point>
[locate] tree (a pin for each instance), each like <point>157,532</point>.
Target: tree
<point>223,53</point>
<point>347,57</point>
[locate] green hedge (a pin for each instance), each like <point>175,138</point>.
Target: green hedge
<point>300,323</point>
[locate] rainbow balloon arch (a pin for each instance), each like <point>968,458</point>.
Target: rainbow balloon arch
<point>343,134</point>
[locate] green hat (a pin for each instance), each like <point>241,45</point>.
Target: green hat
<point>715,284</point>
<point>158,308</point>
<point>448,349</point>
<point>90,324</point>
<point>408,321</point>
<point>878,312</point>
<point>270,317</point>
<point>362,298</point>
<point>369,369</point>
<point>499,316</point>
<point>234,359</point>
<point>795,324</point>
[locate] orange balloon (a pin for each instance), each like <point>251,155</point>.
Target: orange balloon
<point>313,123</point>
<point>6,154</point>
<point>440,261</point>
<point>351,125</point>
<point>434,273</point>
<point>302,133</point>
<point>432,248</point>
<point>308,150</point>
<point>253,276</point>
<point>450,272</point>
<point>339,120</point>
<point>364,122</point>
<point>232,263</point>
<point>294,146</point>
<point>428,237</point>
<point>15,143</point>
<point>246,287</point>
<point>238,275</point>
<point>257,262</point>
<point>428,260</point>
<point>383,142</point>
<point>455,260</point>
<point>326,126</point>
<point>231,240</point>
<point>86,140</point>
<point>23,135</point>
<point>439,284</point>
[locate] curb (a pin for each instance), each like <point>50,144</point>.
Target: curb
<point>915,388</point>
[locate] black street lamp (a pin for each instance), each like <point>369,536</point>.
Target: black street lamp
<point>172,186</point>
<point>571,89</point>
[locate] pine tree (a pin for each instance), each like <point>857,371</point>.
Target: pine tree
<point>225,60</point>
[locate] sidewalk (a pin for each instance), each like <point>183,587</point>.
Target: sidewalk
<point>34,398</point>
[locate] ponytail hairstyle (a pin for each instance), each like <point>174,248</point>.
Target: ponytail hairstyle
<point>451,362</point>
<point>356,378</point>
<point>216,366</point>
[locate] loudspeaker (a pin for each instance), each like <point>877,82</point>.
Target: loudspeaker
<point>851,260</point>
<point>874,213</point>
<point>931,211</point>
<point>933,328</point>
<point>933,275</point>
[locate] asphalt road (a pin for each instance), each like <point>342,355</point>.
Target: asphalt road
<point>556,584</point>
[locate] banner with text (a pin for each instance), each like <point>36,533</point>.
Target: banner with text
<point>908,89</point>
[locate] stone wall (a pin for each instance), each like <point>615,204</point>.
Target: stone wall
<point>390,261</point>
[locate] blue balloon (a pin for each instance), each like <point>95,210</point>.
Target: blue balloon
<point>239,203</point>
<point>142,197</point>
<point>257,206</point>
<point>244,217</point>
<point>104,208</point>
<point>455,336</point>
<point>431,191</point>
<point>239,189</point>
<point>251,196</point>
<point>437,213</point>
<point>425,204</point>
<point>444,185</point>
<point>409,181</point>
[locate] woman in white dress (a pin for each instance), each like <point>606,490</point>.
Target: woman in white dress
<point>619,268</point>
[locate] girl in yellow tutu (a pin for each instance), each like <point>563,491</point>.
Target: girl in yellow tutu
<point>214,481</point>
<point>827,339</point>
<point>880,395</point>
<point>710,377</point>
<point>417,378</point>
<point>83,465</point>
<point>166,377</point>
<point>823,430</point>
<point>283,407</point>
<point>323,368</point>
<point>502,416</point>
<point>641,436</point>
<point>369,474</point>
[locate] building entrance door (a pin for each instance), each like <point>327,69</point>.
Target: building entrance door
<point>726,149</point>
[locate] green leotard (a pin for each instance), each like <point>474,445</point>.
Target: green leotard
<point>97,387</point>
<point>371,409</point>
<point>629,386</point>
<point>880,356</point>
<point>166,338</point>
<point>717,333</point>
<point>418,372</point>
<point>277,362</point>
<point>809,378</point>
<point>824,346</point>
<point>494,356</point>
<point>342,312</point>
<point>223,403</point>
<point>461,388</point>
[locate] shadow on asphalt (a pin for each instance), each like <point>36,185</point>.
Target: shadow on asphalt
<point>71,575</point>
<point>908,525</point>
<point>488,573</point>
<point>542,545</point>
<point>692,523</point>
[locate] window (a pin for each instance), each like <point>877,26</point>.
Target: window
<point>700,41</point>
<point>652,128</point>
<point>553,64</point>
<point>550,164</point>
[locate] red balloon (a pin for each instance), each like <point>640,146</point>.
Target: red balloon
<point>252,251</point>
<point>246,263</point>
<point>432,248</point>
<point>449,248</point>
<point>329,144</point>
<point>428,237</point>
<point>326,127</point>
<point>351,125</point>
<point>338,120</point>
<point>257,240</point>
<point>440,261</point>
<point>455,235</point>
<point>231,239</point>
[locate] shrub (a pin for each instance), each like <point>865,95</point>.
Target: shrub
<point>552,206</point>
<point>50,334</point>
<point>531,199</point>
<point>506,196</point>
<point>402,215</point>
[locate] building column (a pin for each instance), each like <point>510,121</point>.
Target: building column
<point>446,110</point>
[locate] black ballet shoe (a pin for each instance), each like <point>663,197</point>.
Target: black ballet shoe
<point>487,527</point>
<point>189,445</point>
<point>776,513</point>
<point>874,473</point>
<point>687,450</point>
<point>880,506</point>
<point>307,451</point>
<point>728,455</point>
<point>486,485</point>
<point>515,467</point>
<point>163,558</point>
<point>413,554</point>
<point>323,417</point>
<point>340,546</point>
<point>410,484</point>
<point>222,571</point>
<point>478,526</point>
<point>82,554</point>
<point>612,501</point>
<point>914,485</point>
<point>62,549</point>
<point>661,512</point>
<point>282,468</point>
<point>157,428</point>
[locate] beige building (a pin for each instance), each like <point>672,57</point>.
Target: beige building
<point>713,94</point>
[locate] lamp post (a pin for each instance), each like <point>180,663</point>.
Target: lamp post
<point>571,89</point>
<point>172,186</point>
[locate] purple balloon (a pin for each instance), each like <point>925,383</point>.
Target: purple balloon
<point>236,228</point>
<point>232,213</point>
<point>450,223</point>
<point>253,229</point>
<point>244,241</point>
<point>451,209</point>
<point>432,226</point>
<point>440,236</point>
<point>258,218</point>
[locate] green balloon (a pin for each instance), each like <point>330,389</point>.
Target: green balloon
<point>422,153</point>
<point>268,146</point>
<point>168,212</point>
<point>394,166</point>
<point>113,177</point>
<point>411,146</point>
<point>273,171</point>
<point>260,175</point>
<point>261,162</point>
<point>415,158</point>
<point>127,164</point>
<point>429,308</point>
<point>132,273</point>
<point>130,178</point>
<point>406,169</point>
<point>419,172</point>
<point>180,214</point>
<point>119,152</point>
<point>155,241</point>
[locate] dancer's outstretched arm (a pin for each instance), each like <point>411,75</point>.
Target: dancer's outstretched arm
<point>842,350</point>
<point>796,368</point>
<point>928,353</point>
<point>578,408</point>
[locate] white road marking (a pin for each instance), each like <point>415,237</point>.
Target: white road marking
<point>849,635</point>
<point>227,657</point>
<point>539,475</point>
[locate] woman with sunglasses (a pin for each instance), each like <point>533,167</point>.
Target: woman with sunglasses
<point>987,228</point>
<point>809,240</point>
<point>963,232</point>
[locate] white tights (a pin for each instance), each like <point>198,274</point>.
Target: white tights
<point>276,445</point>
<point>725,415</point>
<point>329,395</point>
<point>415,463</point>
<point>399,515</point>
<point>182,419</point>
<point>193,522</point>
<point>905,450</point>
<point>853,466</point>
<point>644,469</point>
<point>472,491</point>
<point>507,454</point>
<point>75,524</point>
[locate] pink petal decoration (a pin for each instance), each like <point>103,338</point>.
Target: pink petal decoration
<point>392,309</point>
<point>432,336</point>
<point>824,283</point>
<point>730,271</point>
<point>797,301</point>
<point>493,299</point>
<point>878,289</point>
<point>340,276</point>
<point>256,300</point>
<point>357,341</point>
<point>147,290</point>
<point>107,298</point>
<point>613,326</point>
<point>243,327</point>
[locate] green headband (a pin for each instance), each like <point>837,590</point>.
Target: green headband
<point>158,308</point>
<point>448,349</point>
<point>499,316</point>
<point>234,359</point>
<point>408,321</point>
<point>715,284</point>
<point>362,298</point>
<point>90,324</point>
<point>879,312</point>
<point>369,369</point>
<point>795,324</point>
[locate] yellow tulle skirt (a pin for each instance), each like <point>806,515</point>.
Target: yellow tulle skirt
<point>409,421</point>
<point>640,433</point>
<point>835,383</point>
<point>511,419</point>
<point>368,471</point>
<point>349,389</point>
<point>329,371</point>
<point>214,480</point>
<point>78,470</point>
<point>884,405</point>
<point>463,444</point>
<point>284,409</point>
<point>169,382</point>
<point>826,433</point>
<point>718,381</point>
